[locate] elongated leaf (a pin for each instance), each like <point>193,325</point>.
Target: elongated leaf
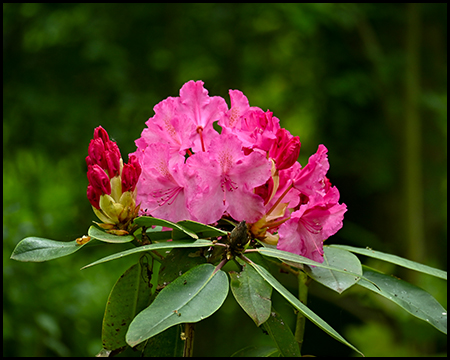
<point>411,298</point>
<point>159,246</point>
<point>281,335</point>
<point>341,259</point>
<point>192,297</point>
<point>394,259</point>
<point>252,292</point>
<point>202,230</point>
<point>150,221</point>
<point>39,249</point>
<point>257,351</point>
<point>129,296</point>
<point>315,319</point>
<point>109,238</point>
<point>156,234</point>
<point>294,258</point>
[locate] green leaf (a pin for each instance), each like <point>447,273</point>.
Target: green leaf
<point>166,344</point>
<point>301,307</point>
<point>410,297</point>
<point>192,297</point>
<point>257,351</point>
<point>129,296</point>
<point>294,258</point>
<point>150,221</point>
<point>252,293</point>
<point>156,234</point>
<point>202,230</point>
<point>341,259</point>
<point>159,246</point>
<point>394,259</point>
<point>177,262</point>
<point>102,235</point>
<point>282,335</point>
<point>39,249</point>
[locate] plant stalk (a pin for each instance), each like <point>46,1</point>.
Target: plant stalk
<point>303,282</point>
<point>188,350</point>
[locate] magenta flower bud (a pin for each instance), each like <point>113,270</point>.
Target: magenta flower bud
<point>130,174</point>
<point>98,179</point>
<point>101,133</point>
<point>89,161</point>
<point>112,159</point>
<point>93,196</point>
<point>96,152</point>
<point>286,150</point>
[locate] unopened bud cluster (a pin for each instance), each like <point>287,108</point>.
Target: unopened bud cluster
<point>112,184</point>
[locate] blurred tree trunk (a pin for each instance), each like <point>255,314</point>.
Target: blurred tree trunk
<point>413,189</point>
<point>404,122</point>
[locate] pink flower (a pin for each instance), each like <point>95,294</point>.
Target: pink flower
<point>162,187</point>
<point>239,106</point>
<point>319,215</point>
<point>228,179</point>
<point>248,171</point>
<point>184,122</point>
<point>202,110</point>
<point>308,227</point>
<point>169,126</point>
<point>310,179</point>
<point>254,127</point>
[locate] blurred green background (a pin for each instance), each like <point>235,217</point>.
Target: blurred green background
<point>369,81</point>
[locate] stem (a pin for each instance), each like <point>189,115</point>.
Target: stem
<point>189,342</point>
<point>221,264</point>
<point>281,197</point>
<point>303,282</point>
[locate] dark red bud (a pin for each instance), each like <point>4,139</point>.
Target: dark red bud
<point>130,174</point>
<point>286,150</point>
<point>112,159</point>
<point>93,197</point>
<point>98,179</point>
<point>100,133</point>
<point>89,161</point>
<point>96,152</point>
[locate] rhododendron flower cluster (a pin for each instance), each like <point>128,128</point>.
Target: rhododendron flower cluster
<point>112,184</point>
<point>247,171</point>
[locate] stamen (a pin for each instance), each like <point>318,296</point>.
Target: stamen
<point>166,196</point>
<point>227,184</point>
